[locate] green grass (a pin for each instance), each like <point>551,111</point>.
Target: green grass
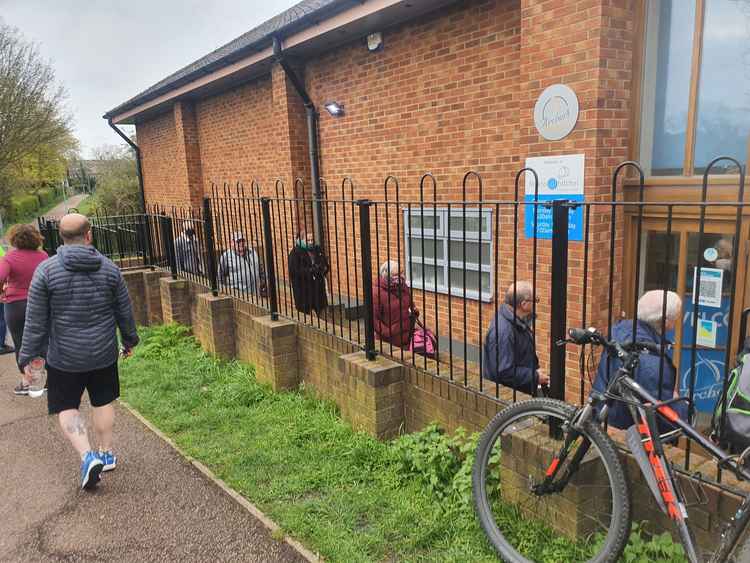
<point>342,493</point>
<point>87,206</point>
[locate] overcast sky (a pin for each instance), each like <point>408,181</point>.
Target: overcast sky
<point>107,51</point>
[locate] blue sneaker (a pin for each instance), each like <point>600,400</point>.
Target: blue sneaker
<point>108,459</point>
<point>91,467</point>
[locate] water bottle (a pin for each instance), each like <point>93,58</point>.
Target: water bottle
<point>37,377</point>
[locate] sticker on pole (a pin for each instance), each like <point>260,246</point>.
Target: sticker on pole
<point>710,286</point>
<point>560,178</point>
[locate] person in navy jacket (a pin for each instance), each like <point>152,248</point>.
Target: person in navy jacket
<point>651,369</point>
<point>509,356</point>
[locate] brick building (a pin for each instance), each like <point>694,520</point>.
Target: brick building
<point>453,87</point>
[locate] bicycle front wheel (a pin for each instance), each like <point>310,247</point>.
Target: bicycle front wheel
<point>543,496</point>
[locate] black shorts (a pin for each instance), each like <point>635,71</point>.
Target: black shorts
<point>65,388</point>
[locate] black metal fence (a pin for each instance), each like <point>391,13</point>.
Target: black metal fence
<point>586,263</point>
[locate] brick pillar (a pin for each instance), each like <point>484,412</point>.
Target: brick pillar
<point>175,301</point>
<point>587,45</point>
<point>274,352</point>
<point>151,284</point>
<point>215,326</point>
<point>188,152</point>
<point>373,394</point>
<point>137,291</point>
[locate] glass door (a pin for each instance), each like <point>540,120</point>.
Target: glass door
<point>671,261</point>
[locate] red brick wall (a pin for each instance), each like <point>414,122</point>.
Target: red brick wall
<point>451,92</point>
<point>158,142</point>
<point>238,141</point>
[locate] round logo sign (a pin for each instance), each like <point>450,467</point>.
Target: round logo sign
<point>710,254</point>
<point>556,112</point>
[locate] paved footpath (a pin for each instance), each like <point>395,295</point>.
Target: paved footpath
<point>154,507</point>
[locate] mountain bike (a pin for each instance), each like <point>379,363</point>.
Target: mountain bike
<point>540,461</point>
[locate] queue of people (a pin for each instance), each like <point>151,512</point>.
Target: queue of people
<point>68,309</point>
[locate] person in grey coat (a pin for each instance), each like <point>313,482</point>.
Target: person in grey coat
<point>188,252</point>
<point>239,267</point>
<point>77,301</point>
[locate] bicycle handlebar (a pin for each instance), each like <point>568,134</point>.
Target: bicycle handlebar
<point>582,336</point>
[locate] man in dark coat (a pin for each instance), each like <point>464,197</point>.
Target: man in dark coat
<point>652,370</point>
<point>509,356</point>
<point>77,302</point>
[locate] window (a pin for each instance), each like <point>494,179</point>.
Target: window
<point>453,251</point>
<point>695,101</point>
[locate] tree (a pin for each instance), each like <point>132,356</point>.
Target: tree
<point>117,186</point>
<point>33,116</point>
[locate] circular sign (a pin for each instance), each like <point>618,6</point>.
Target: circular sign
<point>710,254</point>
<point>556,112</point>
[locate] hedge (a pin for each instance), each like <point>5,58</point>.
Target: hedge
<point>23,206</point>
<point>46,196</point>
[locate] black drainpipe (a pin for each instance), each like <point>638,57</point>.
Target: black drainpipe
<point>312,138</point>
<point>137,161</point>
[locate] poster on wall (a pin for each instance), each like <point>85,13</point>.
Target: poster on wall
<point>560,178</point>
<point>710,356</point>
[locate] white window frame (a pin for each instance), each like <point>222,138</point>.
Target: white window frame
<point>443,235</point>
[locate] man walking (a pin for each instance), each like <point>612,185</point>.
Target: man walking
<point>77,301</point>
<point>509,354</point>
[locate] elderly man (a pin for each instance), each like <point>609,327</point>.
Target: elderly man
<point>188,251</point>
<point>239,267</point>
<point>652,369</point>
<point>509,356</point>
<point>77,301</point>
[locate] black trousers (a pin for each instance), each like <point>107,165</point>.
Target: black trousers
<point>15,317</point>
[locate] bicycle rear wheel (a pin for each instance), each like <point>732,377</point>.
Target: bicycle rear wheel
<point>530,517</point>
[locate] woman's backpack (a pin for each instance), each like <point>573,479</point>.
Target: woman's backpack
<point>423,341</point>
<point>736,435</point>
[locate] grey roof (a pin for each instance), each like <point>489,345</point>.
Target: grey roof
<point>299,16</point>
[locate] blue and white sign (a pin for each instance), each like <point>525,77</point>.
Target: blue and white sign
<point>709,357</point>
<point>560,178</point>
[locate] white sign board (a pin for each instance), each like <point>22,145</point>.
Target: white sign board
<point>711,281</point>
<point>556,112</point>
<point>560,177</point>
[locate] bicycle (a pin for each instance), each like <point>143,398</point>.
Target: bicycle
<point>538,456</point>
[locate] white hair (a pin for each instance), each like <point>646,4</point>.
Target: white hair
<point>389,268</point>
<point>651,307</point>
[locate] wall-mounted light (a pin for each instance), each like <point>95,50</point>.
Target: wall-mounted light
<point>334,108</point>
<point>375,42</point>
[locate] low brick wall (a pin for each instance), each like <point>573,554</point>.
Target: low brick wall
<point>385,398</point>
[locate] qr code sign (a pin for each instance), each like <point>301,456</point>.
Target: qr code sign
<point>710,286</point>
<point>710,289</point>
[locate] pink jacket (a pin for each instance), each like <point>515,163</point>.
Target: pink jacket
<point>17,268</point>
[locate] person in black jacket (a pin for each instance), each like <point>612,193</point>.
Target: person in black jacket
<point>509,355</point>
<point>308,267</point>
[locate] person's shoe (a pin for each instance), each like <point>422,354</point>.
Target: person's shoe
<point>91,467</point>
<point>108,459</point>
<point>5,349</point>
<point>21,389</point>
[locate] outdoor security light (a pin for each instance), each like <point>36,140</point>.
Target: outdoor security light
<point>375,42</point>
<point>334,108</point>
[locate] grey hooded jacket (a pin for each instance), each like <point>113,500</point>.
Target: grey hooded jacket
<point>77,300</point>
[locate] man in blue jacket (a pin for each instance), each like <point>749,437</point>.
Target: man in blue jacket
<point>509,356</point>
<point>77,302</point>
<point>655,374</point>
